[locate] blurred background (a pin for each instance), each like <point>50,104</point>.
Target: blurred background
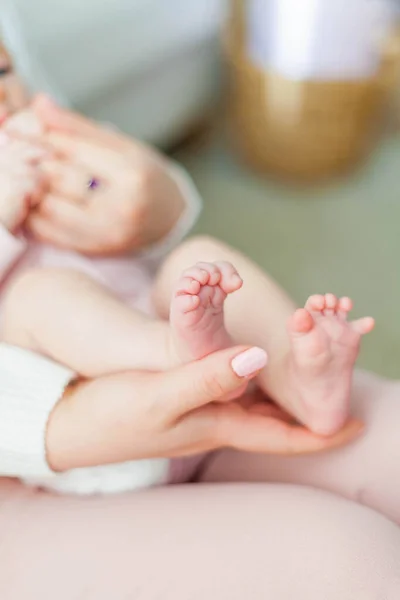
<point>285,112</point>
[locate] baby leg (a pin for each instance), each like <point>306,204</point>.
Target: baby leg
<point>310,361</point>
<point>69,317</point>
<point>367,471</point>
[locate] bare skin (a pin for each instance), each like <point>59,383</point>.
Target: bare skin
<point>311,384</point>
<point>324,349</point>
<point>310,362</point>
<point>197,315</point>
<point>324,345</point>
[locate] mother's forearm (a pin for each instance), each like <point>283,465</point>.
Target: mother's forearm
<point>97,422</point>
<point>30,387</point>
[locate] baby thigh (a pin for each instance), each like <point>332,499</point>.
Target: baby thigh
<point>73,319</point>
<point>366,471</point>
<point>42,306</point>
<point>24,297</point>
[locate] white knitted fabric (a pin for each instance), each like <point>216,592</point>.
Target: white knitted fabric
<point>30,387</point>
<point>109,479</point>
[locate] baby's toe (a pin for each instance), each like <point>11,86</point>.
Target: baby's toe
<point>331,305</point>
<point>344,307</point>
<point>187,286</point>
<point>212,296</point>
<point>197,273</point>
<point>230,278</point>
<point>363,326</point>
<point>300,322</point>
<point>213,271</point>
<point>315,303</point>
<point>186,304</point>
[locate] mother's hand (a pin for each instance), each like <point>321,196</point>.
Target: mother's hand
<point>136,204</point>
<point>176,413</point>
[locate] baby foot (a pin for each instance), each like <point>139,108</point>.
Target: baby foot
<point>197,315</point>
<point>324,348</point>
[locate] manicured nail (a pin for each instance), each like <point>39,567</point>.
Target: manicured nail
<point>249,362</point>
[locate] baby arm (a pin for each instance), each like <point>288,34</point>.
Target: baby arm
<point>20,187</point>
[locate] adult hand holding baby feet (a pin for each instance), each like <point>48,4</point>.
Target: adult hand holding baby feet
<point>180,413</point>
<point>324,344</point>
<point>324,349</point>
<point>310,361</point>
<point>312,385</point>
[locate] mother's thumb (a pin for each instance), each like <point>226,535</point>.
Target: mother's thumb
<point>214,377</point>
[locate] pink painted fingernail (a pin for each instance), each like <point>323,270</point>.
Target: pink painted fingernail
<point>249,362</point>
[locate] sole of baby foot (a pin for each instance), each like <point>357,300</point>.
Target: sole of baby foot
<point>197,309</point>
<point>324,349</point>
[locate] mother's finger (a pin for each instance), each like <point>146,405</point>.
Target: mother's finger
<point>17,150</point>
<point>268,409</point>
<point>70,181</point>
<point>56,234</point>
<point>98,160</point>
<point>64,214</point>
<point>253,432</point>
<point>20,169</point>
<point>208,380</point>
<point>24,180</point>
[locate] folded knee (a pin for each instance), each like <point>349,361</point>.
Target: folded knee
<point>35,287</point>
<point>203,248</point>
<point>196,249</point>
<point>23,287</point>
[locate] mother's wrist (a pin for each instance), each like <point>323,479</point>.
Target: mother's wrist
<point>92,425</point>
<point>78,433</point>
